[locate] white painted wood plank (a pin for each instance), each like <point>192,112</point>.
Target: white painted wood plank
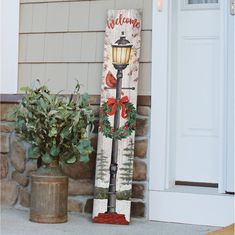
<point>88,47</point>
<point>34,1</point>
<point>26,16</point>
<point>145,79</point>
<point>56,78</point>
<point>42,1</point>
<point>146,49</point>
<point>57,17</point>
<point>147,14</point>
<point>93,79</point>
<point>79,16</point>
<point>129,4</point>
<point>77,72</point>
<point>98,10</point>
<point>99,54</point>
<point>77,10</point>
<point>35,48</point>
<point>23,44</point>
<point>24,76</point>
<point>72,49</point>
<point>53,47</point>
<point>38,71</point>
<point>39,17</point>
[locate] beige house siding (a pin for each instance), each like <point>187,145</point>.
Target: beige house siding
<point>61,41</point>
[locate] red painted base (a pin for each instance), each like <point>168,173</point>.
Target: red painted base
<point>110,218</point>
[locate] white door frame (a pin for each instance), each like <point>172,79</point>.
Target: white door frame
<point>230,106</point>
<point>167,203</point>
<point>9,42</point>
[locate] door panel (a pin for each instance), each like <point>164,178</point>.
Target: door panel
<point>199,86</point>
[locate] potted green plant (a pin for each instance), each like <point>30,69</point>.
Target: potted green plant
<point>57,127</point>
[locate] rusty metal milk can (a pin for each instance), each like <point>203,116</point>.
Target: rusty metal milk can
<point>49,195</point>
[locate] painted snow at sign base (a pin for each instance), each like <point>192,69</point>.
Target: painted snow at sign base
<point>119,22</point>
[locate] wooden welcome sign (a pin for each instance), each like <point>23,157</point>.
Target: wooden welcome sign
<point>115,153</point>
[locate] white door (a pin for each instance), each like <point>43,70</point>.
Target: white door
<point>189,113</point>
<point>198,99</point>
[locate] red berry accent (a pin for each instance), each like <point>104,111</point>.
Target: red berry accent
<point>133,126</point>
<point>126,127</point>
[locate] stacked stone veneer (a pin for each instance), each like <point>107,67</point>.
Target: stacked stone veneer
<point>16,168</point>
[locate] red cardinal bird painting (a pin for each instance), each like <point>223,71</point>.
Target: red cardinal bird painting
<point>110,80</point>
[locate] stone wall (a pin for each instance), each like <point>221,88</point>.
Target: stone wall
<point>16,168</point>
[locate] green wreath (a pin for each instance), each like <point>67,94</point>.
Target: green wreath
<point>123,131</point>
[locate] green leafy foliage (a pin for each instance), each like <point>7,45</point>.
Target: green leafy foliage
<point>55,125</point>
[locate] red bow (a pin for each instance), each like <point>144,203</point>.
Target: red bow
<point>113,103</point>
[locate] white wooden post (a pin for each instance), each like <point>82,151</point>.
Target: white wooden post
<point>9,30</point>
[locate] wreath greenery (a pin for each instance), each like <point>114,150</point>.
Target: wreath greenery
<point>123,131</point>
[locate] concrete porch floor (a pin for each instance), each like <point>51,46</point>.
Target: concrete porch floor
<point>16,222</point>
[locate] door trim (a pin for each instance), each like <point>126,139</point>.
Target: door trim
<point>159,92</point>
<point>230,105</point>
<point>161,173</point>
<point>9,43</point>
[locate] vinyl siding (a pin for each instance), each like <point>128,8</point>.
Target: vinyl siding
<point>61,41</point>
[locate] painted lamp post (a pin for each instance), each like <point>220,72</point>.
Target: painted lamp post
<point>121,51</point>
